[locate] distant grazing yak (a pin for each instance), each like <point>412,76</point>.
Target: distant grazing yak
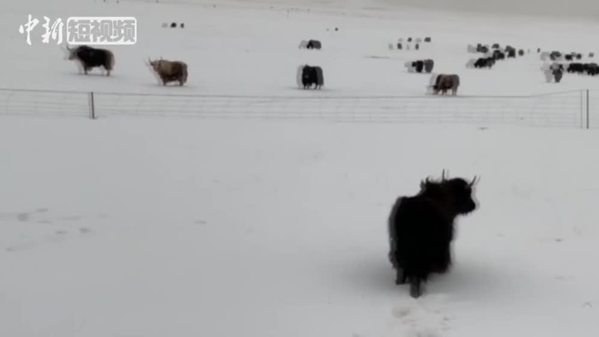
<point>445,82</point>
<point>303,44</point>
<point>555,55</point>
<point>510,52</point>
<point>576,67</point>
<point>429,65</point>
<point>498,55</point>
<point>484,62</point>
<point>169,71</point>
<point>557,71</point>
<point>591,69</point>
<point>421,229</point>
<point>482,49</point>
<point>421,65</point>
<point>310,75</point>
<point>314,44</point>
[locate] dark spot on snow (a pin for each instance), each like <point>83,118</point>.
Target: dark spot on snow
<point>23,217</point>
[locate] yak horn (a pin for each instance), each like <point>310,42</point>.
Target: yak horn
<point>475,180</point>
<point>444,175</point>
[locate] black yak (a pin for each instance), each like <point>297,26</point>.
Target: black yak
<point>591,69</point>
<point>311,76</point>
<point>169,71</point>
<point>482,49</point>
<point>484,62</point>
<point>444,82</point>
<point>418,66</point>
<point>421,66</point>
<point>421,229</point>
<point>314,44</point>
<point>90,58</point>
<point>498,55</point>
<point>429,65</point>
<point>575,67</point>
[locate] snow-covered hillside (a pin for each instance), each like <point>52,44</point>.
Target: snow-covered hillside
<point>252,48</point>
<point>141,227</point>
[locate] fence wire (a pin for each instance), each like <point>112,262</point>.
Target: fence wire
<point>566,109</point>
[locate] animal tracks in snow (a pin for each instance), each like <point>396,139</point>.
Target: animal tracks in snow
<point>33,228</point>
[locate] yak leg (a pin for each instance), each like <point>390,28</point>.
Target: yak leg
<point>401,277</point>
<point>415,287</point>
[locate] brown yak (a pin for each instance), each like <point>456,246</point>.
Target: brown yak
<point>170,71</point>
<point>445,82</point>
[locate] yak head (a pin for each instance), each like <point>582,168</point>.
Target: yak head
<point>453,196</point>
<point>72,52</point>
<point>155,64</point>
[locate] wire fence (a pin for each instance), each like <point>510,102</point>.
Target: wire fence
<point>565,109</point>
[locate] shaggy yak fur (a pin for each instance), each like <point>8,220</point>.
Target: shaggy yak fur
<point>444,82</point>
<point>169,71</point>
<point>312,76</point>
<point>90,58</point>
<point>421,229</point>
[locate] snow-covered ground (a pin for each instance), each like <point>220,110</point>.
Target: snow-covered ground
<point>139,227</point>
<point>135,227</point>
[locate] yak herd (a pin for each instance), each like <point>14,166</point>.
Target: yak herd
<point>554,71</point>
<point>312,76</point>
<point>307,76</point>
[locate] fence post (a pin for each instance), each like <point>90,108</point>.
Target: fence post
<point>588,111</point>
<point>92,106</point>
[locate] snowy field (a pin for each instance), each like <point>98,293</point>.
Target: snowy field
<point>153,227</point>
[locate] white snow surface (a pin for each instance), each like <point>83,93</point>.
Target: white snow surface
<point>154,227</point>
